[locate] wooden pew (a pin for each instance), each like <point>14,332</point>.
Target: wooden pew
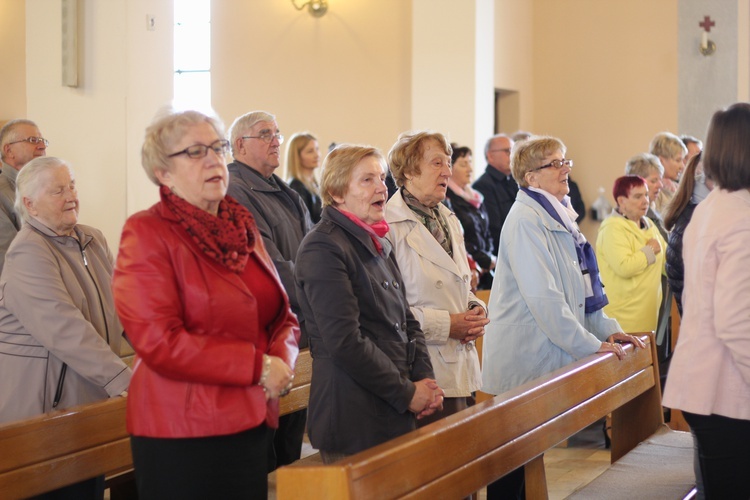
<point>63,447</point>
<point>677,421</point>
<point>484,296</point>
<point>464,452</point>
<point>67,446</point>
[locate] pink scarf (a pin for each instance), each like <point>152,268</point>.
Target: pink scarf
<point>467,194</point>
<point>376,231</point>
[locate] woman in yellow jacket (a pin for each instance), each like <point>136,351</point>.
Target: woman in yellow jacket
<point>630,252</point>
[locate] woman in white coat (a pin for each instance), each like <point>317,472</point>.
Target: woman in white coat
<point>429,247</point>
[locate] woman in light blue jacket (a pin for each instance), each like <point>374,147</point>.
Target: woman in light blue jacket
<point>546,301</point>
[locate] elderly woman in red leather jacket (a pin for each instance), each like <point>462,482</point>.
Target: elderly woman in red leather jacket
<point>209,320</point>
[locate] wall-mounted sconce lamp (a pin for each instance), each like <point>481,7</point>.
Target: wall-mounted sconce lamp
<point>707,47</point>
<point>316,8</point>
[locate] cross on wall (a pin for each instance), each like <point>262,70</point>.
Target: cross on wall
<point>707,23</point>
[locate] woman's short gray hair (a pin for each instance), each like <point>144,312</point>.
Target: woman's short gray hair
<point>529,154</point>
<point>167,129</point>
<point>29,180</point>
<point>644,164</point>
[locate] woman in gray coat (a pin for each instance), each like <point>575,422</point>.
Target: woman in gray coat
<point>59,333</point>
<point>371,371</point>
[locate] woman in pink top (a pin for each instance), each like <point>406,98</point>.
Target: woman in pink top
<point>709,377</point>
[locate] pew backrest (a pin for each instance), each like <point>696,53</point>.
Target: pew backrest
<point>67,446</point>
<point>463,452</point>
<point>60,448</point>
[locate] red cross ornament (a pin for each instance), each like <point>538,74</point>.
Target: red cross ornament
<point>707,24</point>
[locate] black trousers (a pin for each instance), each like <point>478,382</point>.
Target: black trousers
<point>285,443</point>
<point>724,455</point>
<point>227,467</point>
<point>511,486</point>
<point>91,489</point>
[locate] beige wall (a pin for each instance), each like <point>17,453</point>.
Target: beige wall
<point>13,58</point>
<point>514,61</point>
<point>125,76</point>
<point>452,69</point>
<point>605,82</point>
<point>345,76</point>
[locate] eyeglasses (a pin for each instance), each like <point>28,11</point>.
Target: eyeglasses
<point>504,150</point>
<point>267,137</point>
<point>196,151</point>
<point>558,164</point>
<point>33,140</point>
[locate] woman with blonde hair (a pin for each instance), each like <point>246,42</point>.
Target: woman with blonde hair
<point>302,158</point>
<point>209,319</point>
<point>372,377</point>
<point>546,306</point>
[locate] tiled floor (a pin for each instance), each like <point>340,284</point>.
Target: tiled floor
<point>577,464</point>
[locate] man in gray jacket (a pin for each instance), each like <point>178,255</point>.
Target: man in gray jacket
<point>20,142</point>
<point>283,220</point>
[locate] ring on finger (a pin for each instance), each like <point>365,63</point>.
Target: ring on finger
<point>287,389</point>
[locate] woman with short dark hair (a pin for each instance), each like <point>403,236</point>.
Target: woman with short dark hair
<point>468,205</point>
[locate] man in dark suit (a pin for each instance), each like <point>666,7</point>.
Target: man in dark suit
<point>497,184</point>
<point>283,220</point>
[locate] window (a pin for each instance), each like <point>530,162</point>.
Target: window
<point>192,54</point>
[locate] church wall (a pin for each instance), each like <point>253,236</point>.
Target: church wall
<point>605,82</point>
<point>344,76</point>
<point>514,60</point>
<point>125,75</point>
<point>707,83</point>
<point>85,125</point>
<point>13,57</point>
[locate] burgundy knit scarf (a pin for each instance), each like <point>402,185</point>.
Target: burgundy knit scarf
<point>228,237</point>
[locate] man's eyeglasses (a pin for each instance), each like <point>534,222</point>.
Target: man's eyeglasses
<point>502,150</point>
<point>196,151</point>
<point>557,164</point>
<point>32,140</point>
<point>267,137</point>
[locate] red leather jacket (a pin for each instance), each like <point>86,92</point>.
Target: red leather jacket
<point>192,324</point>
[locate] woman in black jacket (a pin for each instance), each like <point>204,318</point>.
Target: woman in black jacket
<point>302,158</point>
<point>372,376</point>
<point>694,187</point>
<point>468,206</point>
